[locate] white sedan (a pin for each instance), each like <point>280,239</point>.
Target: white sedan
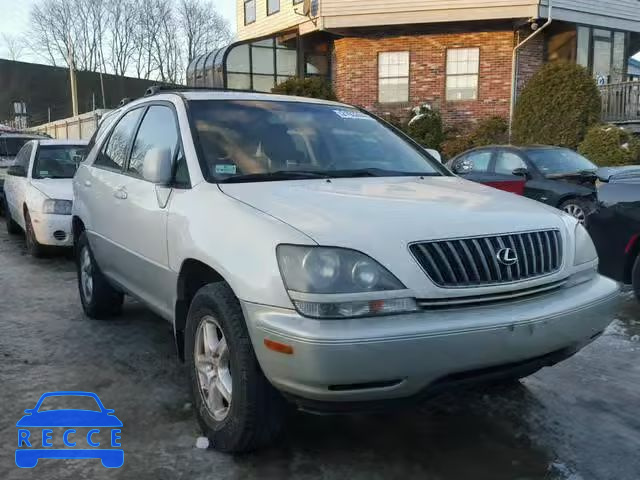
<point>39,192</point>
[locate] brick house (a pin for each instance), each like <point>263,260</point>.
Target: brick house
<point>390,55</point>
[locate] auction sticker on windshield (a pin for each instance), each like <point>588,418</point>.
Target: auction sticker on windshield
<point>69,425</point>
<point>352,115</point>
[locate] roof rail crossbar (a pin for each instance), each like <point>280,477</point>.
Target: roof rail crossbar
<point>158,89</point>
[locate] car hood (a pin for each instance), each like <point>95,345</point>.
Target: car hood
<point>383,212</point>
<point>57,188</point>
<point>69,418</point>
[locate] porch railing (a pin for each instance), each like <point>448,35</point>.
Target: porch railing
<point>621,102</point>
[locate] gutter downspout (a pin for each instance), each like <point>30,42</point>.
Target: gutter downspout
<point>514,64</point>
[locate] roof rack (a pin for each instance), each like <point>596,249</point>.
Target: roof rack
<point>124,101</point>
<point>158,89</point>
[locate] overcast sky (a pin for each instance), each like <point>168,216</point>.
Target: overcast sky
<point>14,17</point>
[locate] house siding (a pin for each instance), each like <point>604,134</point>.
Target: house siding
<point>356,72</point>
<point>358,13</point>
<point>616,14</point>
<point>265,24</point>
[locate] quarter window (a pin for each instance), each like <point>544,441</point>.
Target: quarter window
<point>463,66</point>
<point>157,130</point>
<point>273,6</point>
<point>249,11</point>
<point>114,154</point>
<point>393,77</point>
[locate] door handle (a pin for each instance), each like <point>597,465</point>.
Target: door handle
<point>87,183</point>
<point>121,193</point>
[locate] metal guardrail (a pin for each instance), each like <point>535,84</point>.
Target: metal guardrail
<point>621,102</point>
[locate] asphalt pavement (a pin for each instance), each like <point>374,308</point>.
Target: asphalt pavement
<point>579,420</point>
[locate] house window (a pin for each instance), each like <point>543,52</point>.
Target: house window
<point>604,53</point>
<point>463,66</point>
<point>273,6</point>
<point>393,77</point>
<point>249,11</point>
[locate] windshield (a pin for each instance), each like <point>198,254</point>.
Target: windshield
<point>265,140</point>
<point>10,146</point>
<point>57,161</point>
<point>560,161</point>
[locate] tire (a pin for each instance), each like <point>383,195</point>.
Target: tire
<point>12,227</point>
<point>34,248</point>
<point>578,208</point>
<point>99,299</point>
<point>251,414</point>
<point>635,278</point>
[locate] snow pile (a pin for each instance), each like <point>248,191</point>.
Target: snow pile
<point>202,442</point>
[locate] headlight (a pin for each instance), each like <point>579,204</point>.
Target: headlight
<point>585,250</point>
<point>57,207</point>
<point>328,282</point>
<point>332,270</point>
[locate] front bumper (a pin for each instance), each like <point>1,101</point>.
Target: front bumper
<point>53,230</point>
<point>393,357</point>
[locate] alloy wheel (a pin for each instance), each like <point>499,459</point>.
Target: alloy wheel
<point>211,359</point>
<point>575,211</point>
<point>86,274</point>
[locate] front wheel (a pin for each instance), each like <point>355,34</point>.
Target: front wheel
<point>635,277</point>
<point>577,208</point>
<point>237,408</point>
<point>34,248</point>
<point>99,299</point>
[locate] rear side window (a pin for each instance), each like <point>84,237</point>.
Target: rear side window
<point>157,130</point>
<point>10,146</point>
<point>507,162</point>
<point>115,152</point>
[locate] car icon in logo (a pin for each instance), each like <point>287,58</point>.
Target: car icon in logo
<point>40,427</point>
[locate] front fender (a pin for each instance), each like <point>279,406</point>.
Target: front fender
<point>235,239</point>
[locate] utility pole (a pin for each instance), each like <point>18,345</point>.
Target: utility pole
<point>104,101</point>
<point>72,75</point>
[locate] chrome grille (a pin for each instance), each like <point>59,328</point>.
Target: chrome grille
<point>473,262</point>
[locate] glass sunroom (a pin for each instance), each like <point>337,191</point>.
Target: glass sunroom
<point>259,65</point>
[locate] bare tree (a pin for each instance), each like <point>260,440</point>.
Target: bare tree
<point>122,17</point>
<point>14,46</point>
<point>203,28</point>
<point>151,38</point>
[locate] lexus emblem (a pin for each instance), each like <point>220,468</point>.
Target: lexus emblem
<point>507,256</point>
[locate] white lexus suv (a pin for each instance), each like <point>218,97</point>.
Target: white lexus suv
<point>305,251</point>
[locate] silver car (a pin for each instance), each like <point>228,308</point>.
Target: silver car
<point>304,251</point>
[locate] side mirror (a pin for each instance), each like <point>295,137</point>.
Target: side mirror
<point>521,172</point>
<point>17,171</point>
<point>157,166</point>
<point>434,153</point>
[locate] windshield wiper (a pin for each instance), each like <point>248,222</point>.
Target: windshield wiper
<point>278,176</point>
<point>377,172</point>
